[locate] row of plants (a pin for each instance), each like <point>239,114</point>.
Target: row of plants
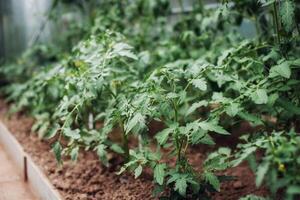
<point>195,74</point>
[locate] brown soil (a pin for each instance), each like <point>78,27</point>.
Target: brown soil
<point>88,179</point>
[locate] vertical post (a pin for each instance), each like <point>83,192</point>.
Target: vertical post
<point>25,169</point>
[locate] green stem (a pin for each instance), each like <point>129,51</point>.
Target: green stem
<point>175,111</point>
<point>178,143</point>
<point>126,146</point>
<point>125,143</point>
<point>276,21</point>
<point>201,6</point>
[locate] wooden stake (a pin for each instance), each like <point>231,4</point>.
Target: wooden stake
<point>25,169</point>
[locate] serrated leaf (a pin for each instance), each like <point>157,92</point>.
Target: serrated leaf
<point>36,126</point>
<point>246,152</point>
<point>43,129</point>
<point>207,140</point>
<point>74,153</point>
<point>163,136</point>
<point>197,136</point>
<point>172,95</point>
<point>138,121</point>
<point>262,170</point>
<point>73,134</point>
<point>260,96</point>
<point>117,148</point>
<point>232,109</point>
<point>57,150</point>
<point>200,84</point>
<point>194,106</point>
<point>212,180</point>
<point>288,106</point>
<point>50,134</point>
<point>253,197</point>
<point>124,50</point>
<point>287,14</point>
<point>101,152</point>
<point>296,62</point>
<point>138,171</point>
<point>250,118</point>
<point>282,69</point>
<point>159,173</point>
<point>181,186</point>
<point>209,126</point>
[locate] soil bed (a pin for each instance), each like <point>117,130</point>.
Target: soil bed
<point>88,179</point>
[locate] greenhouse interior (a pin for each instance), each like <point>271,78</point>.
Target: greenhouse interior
<point>149,100</point>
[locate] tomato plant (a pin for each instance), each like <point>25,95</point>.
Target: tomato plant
<point>195,74</point>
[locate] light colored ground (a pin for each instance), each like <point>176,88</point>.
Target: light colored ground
<point>12,186</point>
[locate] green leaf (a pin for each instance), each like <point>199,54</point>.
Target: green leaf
<point>124,50</point>
<point>50,134</point>
<point>260,96</point>
<point>101,152</point>
<point>197,136</point>
<point>207,140</point>
<point>293,189</point>
<point>74,153</point>
<point>212,180</point>
<point>296,62</point>
<point>244,155</point>
<point>232,109</point>
<point>200,84</point>
<point>209,126</point>
<point>138,121</point>
<point>57,149</point>
<point>282,69</point>
<point>266,2</point>
<point>43,129</point>
<point>181,186</point>
<point>117,148</point>
<point>287,14</point>
<point>288,106</point>
<point>250,118</point>
<point>262,170</point>
<point>163,136</point>
<point>159,173</point>
<point>138,171</point>
<point>253,197</point>
<point>73,134</point>
<point>194,106</point>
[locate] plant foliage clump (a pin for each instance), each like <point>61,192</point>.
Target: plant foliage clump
<point>196,74</point>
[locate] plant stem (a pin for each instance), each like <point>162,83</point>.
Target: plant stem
<point>126,146</point>
<point>276,21</point>
<point>201,6</point>
<point>125,143</point>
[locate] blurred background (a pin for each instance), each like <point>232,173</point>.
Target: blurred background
<point>24,23</point>
<point>21,23</point>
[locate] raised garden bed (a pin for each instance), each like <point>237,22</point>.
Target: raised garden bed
<point>88,179</point>
<point>32,174</point>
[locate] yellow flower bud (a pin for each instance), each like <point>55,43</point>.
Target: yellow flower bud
<point>281,167</point>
